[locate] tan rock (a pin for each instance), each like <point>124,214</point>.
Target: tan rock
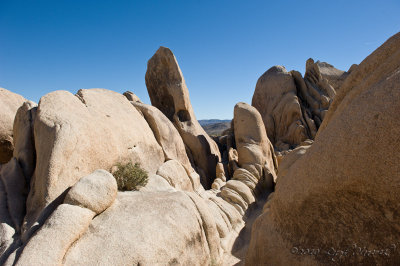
<point>24,145</point>
<point>289,159</point>
<point>146,228</point>
<point>166,135</point>
<point>157,183</point>
<point>293,107</point>
<point>175,174</point>
<point>132,97</point>
<point>50,243</point>
<point>7,229</point>
<point>334,76</point>
<point>168,92</point>
<point>9,104</point>
<point>95,192</point>
<point>75,135</point>
<point>350,193</point>
<point>253,146</point>
<point>13,179</point>
<point>275,97</point>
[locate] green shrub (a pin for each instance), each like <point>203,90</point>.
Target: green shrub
<point>130,177</point>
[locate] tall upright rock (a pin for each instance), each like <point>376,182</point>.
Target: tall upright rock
<point>348,198</point>
<point>168,92</point>
<point>9,104</point>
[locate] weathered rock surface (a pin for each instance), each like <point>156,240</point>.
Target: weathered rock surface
<point>24,143</point>
<point>349,196</point>
<point>147,229</point>
<point>90,196</point>
<point>166,135</point>
<point>254,148</point>
<point>95,192</point>
<point>50,243</point>
<point>175,174</point>
<point>168,92</point>
<point>334,76</point>
<point>9,104</point>
<point>76,134</point>
<point>293,107</point>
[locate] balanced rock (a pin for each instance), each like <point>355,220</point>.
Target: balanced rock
<point>348,197</point>
<point>9,104</point>
<point>168,92</point>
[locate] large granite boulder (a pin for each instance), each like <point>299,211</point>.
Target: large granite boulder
<point>76,134</point>
<point>168,92</point>
<point>342,207</point>
<point>9,104</point>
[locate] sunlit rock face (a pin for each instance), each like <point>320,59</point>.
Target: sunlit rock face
<point>343,192</point>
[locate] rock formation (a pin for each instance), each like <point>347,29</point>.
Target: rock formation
<point>77,134</point>
<point>9,104</point>
<point>335,198</point>
<point>168,92</point>
<point>293,107</point>
<point>347,198</point>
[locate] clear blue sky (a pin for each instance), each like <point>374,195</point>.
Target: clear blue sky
<point>221,46</point>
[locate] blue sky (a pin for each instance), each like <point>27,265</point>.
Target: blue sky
<point>222,46</point>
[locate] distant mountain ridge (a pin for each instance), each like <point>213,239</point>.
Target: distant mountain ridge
<point>204,122</point>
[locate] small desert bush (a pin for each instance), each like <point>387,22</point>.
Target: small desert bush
<point>130,177</point>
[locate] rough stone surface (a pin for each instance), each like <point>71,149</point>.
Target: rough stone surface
<point>293,107</point>
<point>13,179</point>
<point>352,187</point>
<point>77,134</point>
<point>7,229</point>
<point>290,159</point>
<point>254,148</point>
<point>334,76</point>
<point>175,174</point>
<point>168,92</point>
<point>166,135</point>
<point>9,104</point>
<point>148,229</point>
<point>157,183</point>
<point>95,192</point>
<point>50,243</point>
<point>24,144</point>
<point>132,97</point>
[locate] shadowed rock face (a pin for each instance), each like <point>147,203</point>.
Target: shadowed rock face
<point>349,195</point>
<point>168,92</point>
<point>9,104</point>
<point>293,107</point>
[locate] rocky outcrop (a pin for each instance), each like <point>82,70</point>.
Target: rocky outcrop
<point>347,199</point>
<point>334,76</point>
<point>76,134</point>
<point>9,104</point>
<point>293,107</point>
<point>168,92</point>
<point>181,232</point>
<point>90,196</point>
